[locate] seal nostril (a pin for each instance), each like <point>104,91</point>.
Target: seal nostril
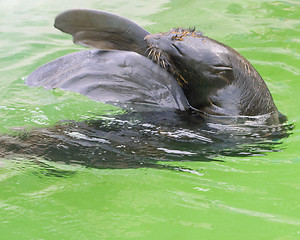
<point>178,50</point>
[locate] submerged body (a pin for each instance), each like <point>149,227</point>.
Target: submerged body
<point>200,73</point>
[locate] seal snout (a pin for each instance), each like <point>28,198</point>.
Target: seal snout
<point>161,48</point>
<point>158,56</point>
<point>152,39</point>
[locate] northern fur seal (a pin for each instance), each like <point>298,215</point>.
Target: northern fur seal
<point>181,69</point>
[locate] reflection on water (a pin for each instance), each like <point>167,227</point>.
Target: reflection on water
<point>141,139</point>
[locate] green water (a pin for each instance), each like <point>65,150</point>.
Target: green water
<point>253,197</point>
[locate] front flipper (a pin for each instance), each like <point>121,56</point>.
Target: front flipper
<point>119,77</point>
<point>102,30</point>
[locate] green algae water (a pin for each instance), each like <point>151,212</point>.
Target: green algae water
<point>245,197</point>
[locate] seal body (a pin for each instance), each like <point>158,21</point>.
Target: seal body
<point>188,70</point>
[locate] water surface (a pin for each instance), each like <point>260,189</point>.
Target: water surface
<point>185,191</point>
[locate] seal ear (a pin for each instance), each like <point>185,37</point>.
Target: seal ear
<point>102,30</point>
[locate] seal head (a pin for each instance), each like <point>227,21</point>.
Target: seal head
<point>215,78</point>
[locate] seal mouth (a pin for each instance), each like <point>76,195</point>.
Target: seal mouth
<point>159,57</point>
<point>163,60</point>
<point>169,39</point>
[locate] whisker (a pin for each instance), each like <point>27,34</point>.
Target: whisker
<point>159,55</point>
<point>149,54</point>
<point>155,56</point>
<point>163,61</point>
